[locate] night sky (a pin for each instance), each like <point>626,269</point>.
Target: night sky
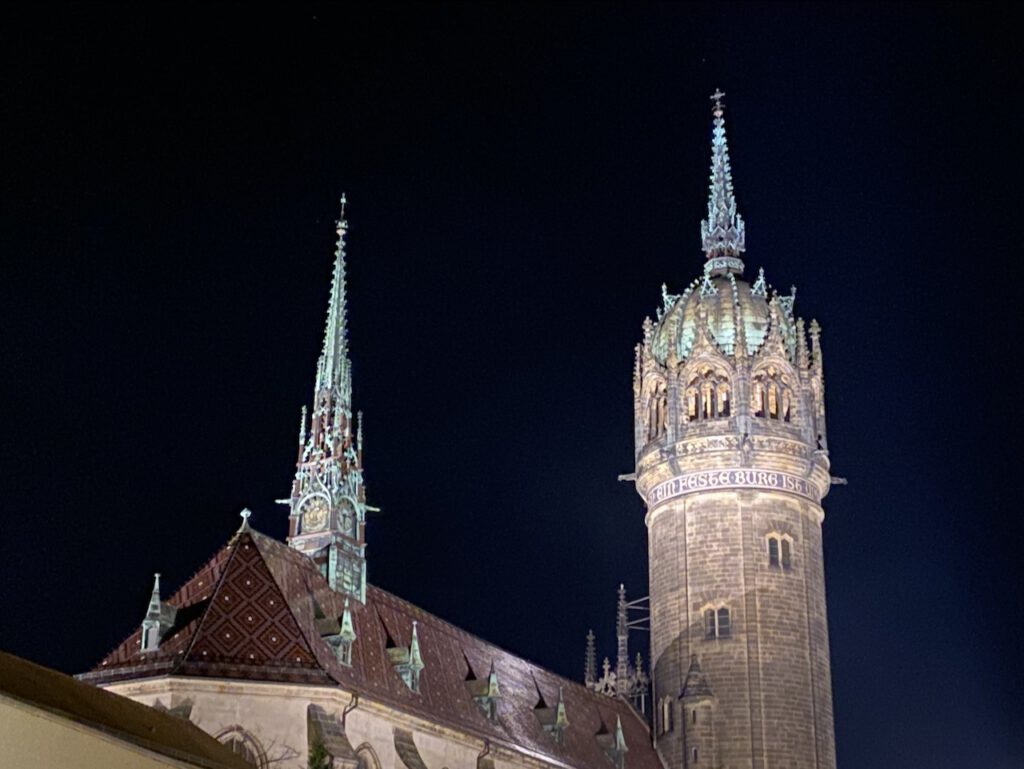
<point>520,184</point>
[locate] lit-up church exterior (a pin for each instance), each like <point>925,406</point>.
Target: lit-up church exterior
<point>288,654</point>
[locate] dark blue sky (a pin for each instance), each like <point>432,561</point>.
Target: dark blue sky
<point>521,182</point>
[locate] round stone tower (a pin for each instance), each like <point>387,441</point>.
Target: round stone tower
<point>732,463</point>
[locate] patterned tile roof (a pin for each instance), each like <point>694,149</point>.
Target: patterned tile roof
<point>258,609</point>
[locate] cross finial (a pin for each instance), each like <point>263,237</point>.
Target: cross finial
<point>718,95</point>
<point>342,223</point>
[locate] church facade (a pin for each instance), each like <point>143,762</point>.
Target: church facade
<point>285,652</point>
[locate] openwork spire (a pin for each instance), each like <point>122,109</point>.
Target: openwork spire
<point>333,367</point>
<point>722,233</point>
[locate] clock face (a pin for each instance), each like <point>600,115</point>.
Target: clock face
<point>347,518</point>
<point>314,513</point>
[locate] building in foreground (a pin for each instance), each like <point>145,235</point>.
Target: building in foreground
<point>50,719</point>
<point>288,653</point>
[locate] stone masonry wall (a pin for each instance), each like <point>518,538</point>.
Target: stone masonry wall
<point>770,678</point>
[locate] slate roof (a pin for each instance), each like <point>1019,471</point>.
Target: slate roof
<point>112,714</point>
<point>257,610</point>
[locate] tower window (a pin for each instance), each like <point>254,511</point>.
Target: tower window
<point>772,395</point>
<point>666,715</point>
<point>780,551</point>
<point>717,623</point>
<point>707,394</point>
<point>694,755</point>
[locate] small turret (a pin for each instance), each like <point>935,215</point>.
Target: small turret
<point>159,619</point>
<point>151,624</point>
<point>698,718</point>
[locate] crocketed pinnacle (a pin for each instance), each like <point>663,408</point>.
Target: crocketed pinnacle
<point>333,366</point>
<point>722,233</point>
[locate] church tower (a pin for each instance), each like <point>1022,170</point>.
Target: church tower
<point>732,463</point>
<point>328,499</point>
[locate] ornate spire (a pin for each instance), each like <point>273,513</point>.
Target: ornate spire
<point>590,661</point>
<point>722,234</point>
<point>332,369</point>
<point>622,635</point>
<point>328,498</point>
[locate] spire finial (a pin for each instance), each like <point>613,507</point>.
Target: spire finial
<point>332,367</point>
<point>717,97</point>
<point>722,234</point>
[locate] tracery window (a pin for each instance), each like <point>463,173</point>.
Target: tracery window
<point>717,623</point>
<point>244,744</point>
<point>772,394</point>
<point>367,758</point>
<point>708,395</point>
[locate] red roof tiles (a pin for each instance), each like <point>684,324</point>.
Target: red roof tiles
<point>252,612</point>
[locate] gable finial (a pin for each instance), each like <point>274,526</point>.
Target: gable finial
<point>246,514</point>
<point>723,234</point>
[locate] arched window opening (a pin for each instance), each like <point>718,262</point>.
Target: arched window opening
<point>717,623</point>
<point>707,394</point>
<point>780,551</point>
<point>772,395</point>
<point>666,715</point>
<point>723,623</point>
<point>710,626</point>
<point>656,411</point>
<point>244,744</point>
<point>694,754</point>
<point>367,758</point>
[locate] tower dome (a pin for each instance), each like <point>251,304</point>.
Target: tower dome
<point>728,303</point>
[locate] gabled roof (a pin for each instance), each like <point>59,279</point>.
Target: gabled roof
<point>112,714</point>
<point>274,604</point>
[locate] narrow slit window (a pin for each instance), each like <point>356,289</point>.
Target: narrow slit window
<point>787,556</point>
<point>773,551</point>
<point>710,626</point>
